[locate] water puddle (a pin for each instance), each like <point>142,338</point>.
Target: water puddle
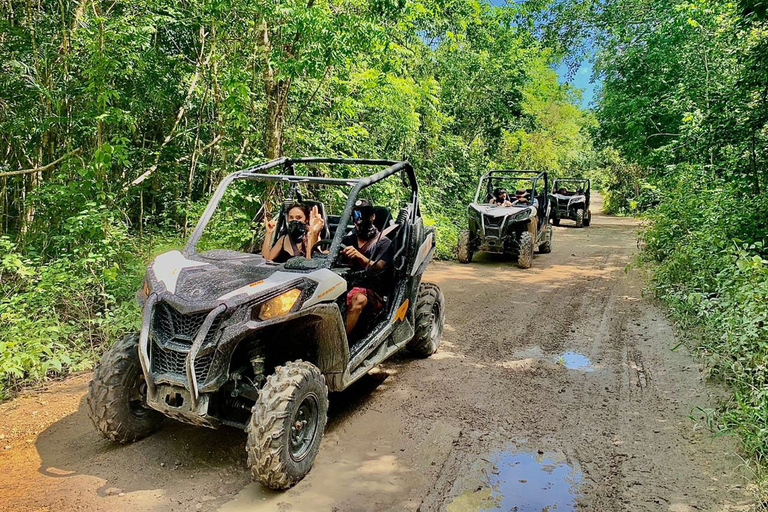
<point>570,360</point>
<point>521,482</point>
<point>575,361</point>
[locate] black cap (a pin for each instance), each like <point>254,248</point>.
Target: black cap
<point>364,206</point>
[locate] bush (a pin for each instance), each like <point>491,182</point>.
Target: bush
<point>707,242</point>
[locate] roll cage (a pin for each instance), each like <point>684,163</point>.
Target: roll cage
<point>257,172</point>
<point>512,174</point>
<point>572,180</point>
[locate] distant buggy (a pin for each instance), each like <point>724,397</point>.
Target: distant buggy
<point>516,229</point>
<point>571,197</point>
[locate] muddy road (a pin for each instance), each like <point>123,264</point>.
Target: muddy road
<point>556,388</point>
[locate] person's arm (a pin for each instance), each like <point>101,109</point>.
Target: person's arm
<point>316,224</point>
<point>266,250</point>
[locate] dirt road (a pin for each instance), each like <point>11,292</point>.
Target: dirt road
<point>555,389</point>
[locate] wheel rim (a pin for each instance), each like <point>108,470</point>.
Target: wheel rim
<point>304,427</point>
<point>434,332</point>
<point>137,397</point>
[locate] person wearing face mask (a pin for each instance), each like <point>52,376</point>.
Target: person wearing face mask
<point>366,249</point>
<point>304,228</point>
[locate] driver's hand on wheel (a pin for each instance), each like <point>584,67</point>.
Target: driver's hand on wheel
<point>352,253</point>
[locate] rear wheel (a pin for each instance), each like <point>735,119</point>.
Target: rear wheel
<point>287,424</point>
<point>117,395</point>
<point>546,246</point>
<point>579,218</point>
<point>430,318</point>
<point>464,249</point>
<point>525,256</point>
<point>556,221</point>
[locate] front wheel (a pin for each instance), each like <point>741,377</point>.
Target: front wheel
<point>464,249</point>
<point>588,218</point>
<point>556,221</point>
<point>287,424</point>
<point>430,318</point>
<point>546,246</point>
<point>525,255</point>
<point>117,395</point>
<point>579,218</point>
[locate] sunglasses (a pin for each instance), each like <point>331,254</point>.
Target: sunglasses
<point>357,215</point>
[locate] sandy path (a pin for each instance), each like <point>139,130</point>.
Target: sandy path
<point>556,389</point>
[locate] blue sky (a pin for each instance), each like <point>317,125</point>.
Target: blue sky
<point>580,80</point>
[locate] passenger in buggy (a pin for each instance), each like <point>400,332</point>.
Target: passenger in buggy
<point>303,231</point>
<point>367,250</point>
<point>500,198</point>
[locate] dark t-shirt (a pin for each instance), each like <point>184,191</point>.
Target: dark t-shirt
<point>378,249</point>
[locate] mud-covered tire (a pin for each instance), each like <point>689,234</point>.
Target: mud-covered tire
<point>117,395</point>
<point>546,246</point>
<point>587,218</point>
<point>430,319</point>
<point>579,218</point>
<point>275,416</point>
<point>464,249</point>
<point>525,255</point>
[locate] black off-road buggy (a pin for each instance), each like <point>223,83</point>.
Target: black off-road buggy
<point>229,338</point>
<point>516,230</point>
<point>572,199</point>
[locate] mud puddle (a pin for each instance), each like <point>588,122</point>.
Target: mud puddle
<point>570,360</point>
<point>521,481</point>
<point>575,361</point>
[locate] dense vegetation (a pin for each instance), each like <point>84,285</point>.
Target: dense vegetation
<point>685,102</point>
<point>117,119</point>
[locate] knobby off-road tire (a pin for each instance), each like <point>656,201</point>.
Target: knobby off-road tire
<point>287,424</point>
<point>579,218</point>
<point>525,256</point>
<point>464,249</point>
<point>587,218</point>
<point>430,318</point>
<point>546,246</point>
<point>117,395</point>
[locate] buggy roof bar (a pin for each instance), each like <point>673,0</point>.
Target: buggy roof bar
<point>392,167</point>
<point>500,172</point>
<point>357,184</point>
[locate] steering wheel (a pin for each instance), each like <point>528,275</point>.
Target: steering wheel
<point>325,242</point>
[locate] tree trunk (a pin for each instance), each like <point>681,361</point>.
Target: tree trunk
<point>276,92</point>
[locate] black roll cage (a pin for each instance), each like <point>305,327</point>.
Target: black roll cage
<point>573,180</point>
<point>256,172</point>
<point>533,176</point>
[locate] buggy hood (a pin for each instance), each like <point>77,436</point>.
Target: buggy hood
<point>210,276</point>
<point>500,211</point>
<point>571,199</point>
<point>232,277</point>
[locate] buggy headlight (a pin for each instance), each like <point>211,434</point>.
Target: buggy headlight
<point>279,305</point>
<point>523,215</point>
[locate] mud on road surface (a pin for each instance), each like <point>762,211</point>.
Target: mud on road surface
<point>555,389</point>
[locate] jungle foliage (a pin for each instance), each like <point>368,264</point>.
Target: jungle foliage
<point>684,102</point>
<point>118,119</point>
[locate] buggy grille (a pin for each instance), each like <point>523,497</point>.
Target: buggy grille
<point>172,334</point>
<point>493,225</point>
<point>172,327</point>
<point>172,362</point>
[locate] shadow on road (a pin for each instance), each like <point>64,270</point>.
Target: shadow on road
<point>177,460</point>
